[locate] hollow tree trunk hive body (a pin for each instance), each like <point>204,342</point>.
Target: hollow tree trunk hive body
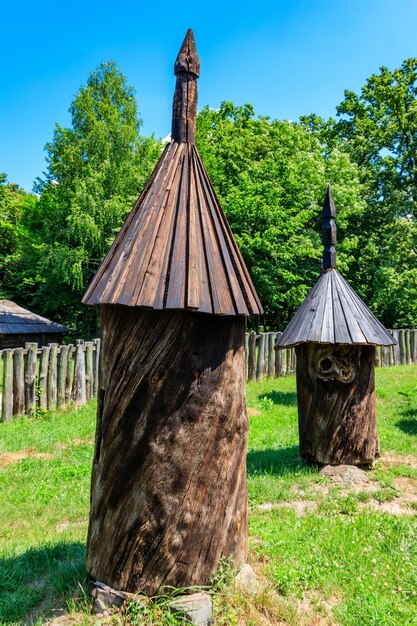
<point>336,404</point>
<point>169,476</point>
<point>168,496</point>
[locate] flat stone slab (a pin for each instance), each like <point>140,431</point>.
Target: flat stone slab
<point>197,608</point>
<point>345,474</point>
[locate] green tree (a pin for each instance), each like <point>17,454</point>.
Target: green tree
<point>14,202</point>
<point>271,177</point>
<point>378,129</point>
<point>95,170</point>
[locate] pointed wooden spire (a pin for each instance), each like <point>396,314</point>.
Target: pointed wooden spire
<point>184,110</point>
<point>329,231</point>
<point>176,249</point>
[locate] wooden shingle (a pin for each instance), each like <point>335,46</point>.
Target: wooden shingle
<point>176,249</point>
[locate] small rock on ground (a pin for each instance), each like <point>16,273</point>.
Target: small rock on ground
<point>246,580</point>
<point>196,607</point>
<point>345,474</point>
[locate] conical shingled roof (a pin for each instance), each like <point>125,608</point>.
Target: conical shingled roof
<point>332,311</point>
<point>176,249</point>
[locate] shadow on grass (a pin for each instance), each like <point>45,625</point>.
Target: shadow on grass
<point>408,425</point>
<point>280,462</point>
<point>284,398</point>
<point>35,578</point>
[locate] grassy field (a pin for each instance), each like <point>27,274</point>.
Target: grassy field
<point>324,554</point>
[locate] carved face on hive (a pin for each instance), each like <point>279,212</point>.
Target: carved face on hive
<point>333,362</point>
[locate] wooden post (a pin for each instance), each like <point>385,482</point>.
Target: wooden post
<point>260,365</point>
<point>7,391</point>
<point>336,404</point>
<point>407,347</point>
<point>18,382</point>
<point>62,376</point>
<point>89,370</point>
<point>96,366</point>
<point>247,354</point>
<point>402,346</point>
<point>271,355</point>
<point>69,374</point>
<point>30,378</point>
<point>396,347</point>
<point>278,358</point>
<point>252,356</point>
<point>78,386</point>
<point>52,377</point>
<point>413,341</point>
<point>165,509</point>
<point>43,377</point>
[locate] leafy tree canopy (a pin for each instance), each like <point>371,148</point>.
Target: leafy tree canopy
<point>271,178</point>
<point>95,170</point>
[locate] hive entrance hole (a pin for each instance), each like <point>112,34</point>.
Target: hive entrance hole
<point>325,365</point>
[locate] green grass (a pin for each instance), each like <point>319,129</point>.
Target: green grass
<point>339,550</point>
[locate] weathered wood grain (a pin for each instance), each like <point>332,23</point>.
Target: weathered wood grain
<point>30,377</point>
<point>7,387</point>
<point>89,370</point>
<point>52,377</point>
<point>252,356</point>
<point>18,382</point>
<point>62,376</point>
<point>169,473</point>
<point>336,404</point>
<point>78,386</point>
<point>43,378</point>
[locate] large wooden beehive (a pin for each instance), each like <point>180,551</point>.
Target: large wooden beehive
<point>168,495</point>
<point>334,335</point>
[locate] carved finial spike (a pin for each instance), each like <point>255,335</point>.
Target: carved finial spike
<point>187,61</point>
<point>329,231</point>
<point>184,110</point>
<point>329,209</point>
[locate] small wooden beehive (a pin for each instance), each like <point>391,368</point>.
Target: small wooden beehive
<point>334,335</point>
<point>168,495</point>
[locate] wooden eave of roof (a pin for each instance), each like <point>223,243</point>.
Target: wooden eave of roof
<point>334,313</point>
<point>176,249</point>
<point>15,320</point>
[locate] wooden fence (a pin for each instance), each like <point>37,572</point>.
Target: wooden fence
<point>54,376</point>
<point>40,379</point>
<point>262,361</point>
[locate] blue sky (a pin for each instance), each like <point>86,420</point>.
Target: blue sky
<point>286,58</point>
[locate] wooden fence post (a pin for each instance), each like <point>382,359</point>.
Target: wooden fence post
<point>252,356</point>
<point>43,377</point>
<point>396,348</point>
<point>97,344</point>
<point>69,374</point>
<point>89,370</point>
<point>62,375</point>
<point>278,358</point>
<point>271,355</point>
<point>7,392</point>
<point>402,346</point>
<point>78,387</point>
<point>18,382</point>
<point>52,377</point>
<point>260,366</point>
<point>30,378</point>
<point>413,341</point>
